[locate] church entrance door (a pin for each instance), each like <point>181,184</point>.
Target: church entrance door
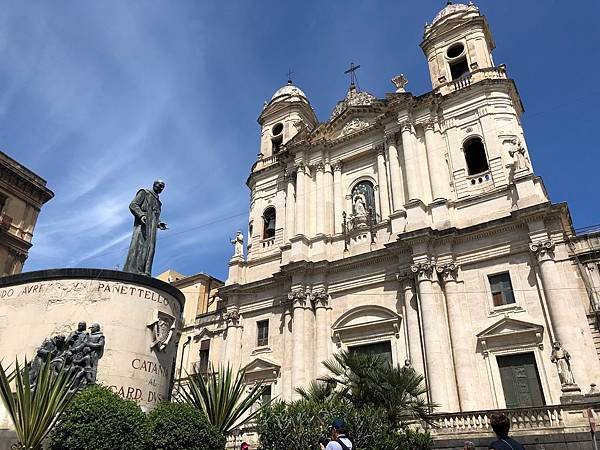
<point>520,380</point>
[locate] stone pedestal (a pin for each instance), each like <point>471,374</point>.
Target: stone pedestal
<point>139,316</point>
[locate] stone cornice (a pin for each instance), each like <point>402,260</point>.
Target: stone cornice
<point>22,182</point>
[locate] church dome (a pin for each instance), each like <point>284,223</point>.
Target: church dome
<point>450,9</point>
<point>289,92</point>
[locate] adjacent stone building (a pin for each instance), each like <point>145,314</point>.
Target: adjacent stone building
<point>200,292</point>
<point>22,195</point>
<point>416,227</point>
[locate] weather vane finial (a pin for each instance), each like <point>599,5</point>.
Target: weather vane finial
<point>352,72</point>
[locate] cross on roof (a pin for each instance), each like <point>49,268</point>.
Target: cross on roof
<point>289,75</point>
<point>351,71</point>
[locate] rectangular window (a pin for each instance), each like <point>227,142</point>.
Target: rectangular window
<point>204,355</point>
<point>502,290</point>
<point>263,333</point>
<point>383,349</point>
<point>265,397</point>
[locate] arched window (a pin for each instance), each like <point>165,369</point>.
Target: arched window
<point>269,223</point>
<point>363,199</point>
<point>475,156</point>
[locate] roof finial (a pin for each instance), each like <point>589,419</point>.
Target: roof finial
<point>289,75</point>
<point>449,2</point>
<point>353,79</point>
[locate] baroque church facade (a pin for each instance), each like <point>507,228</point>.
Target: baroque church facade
<point>413,227</point>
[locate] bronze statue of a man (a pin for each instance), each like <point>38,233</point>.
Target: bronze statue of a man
<point>145,208</point>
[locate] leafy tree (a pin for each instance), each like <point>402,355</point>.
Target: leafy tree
<point>365,379</point>
<point>174,426</point>
<point>300,424</point>
<point>34,411</point>
<point>99,419</point>
<point>222,397</point>
<point>317,391</point>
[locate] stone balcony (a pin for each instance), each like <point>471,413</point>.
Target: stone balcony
<point>488,73</point>
<point>549,423</point>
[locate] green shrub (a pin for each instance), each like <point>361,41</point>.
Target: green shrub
<point>174,426</point>
<point>101,420</point>
<point>300,425</point>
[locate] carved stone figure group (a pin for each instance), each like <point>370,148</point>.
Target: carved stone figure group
<point>79,353</point>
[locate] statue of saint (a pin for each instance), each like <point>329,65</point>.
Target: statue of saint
<point>145,208</point>
<point>77,339</point>
<point>561,358</point>
<point>359,205</point>
<point>238,244</point>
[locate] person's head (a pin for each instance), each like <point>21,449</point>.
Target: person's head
<point>338,428</point>
<point>500,424</point>
<point>81,326</point>
<point>469,445</point>
<point>95,328</point>
<point>158,186</point>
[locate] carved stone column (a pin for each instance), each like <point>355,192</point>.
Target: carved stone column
<point>288,353</point>
<point>300,198</point>
<point>561,309</point>
<point>411,162</point>
<point>384,197</point>
<point>396,180</point>
<point>438,175</point>
<point>320,301</point>
<point>320,194</point>
<point>233,338</point>
<point>299,304</point>
<point>290,206</point>
<point>463,341</point>
<point>413,327</point>
<point>329,213</point>
<point>441,381</point>
<point>338,199</point>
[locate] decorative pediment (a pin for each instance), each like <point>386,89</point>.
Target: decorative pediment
<point>205,333</point>
<point>353,125</point>
<point>262,368</point>
<point>366,320</point>
<point>510,333</point>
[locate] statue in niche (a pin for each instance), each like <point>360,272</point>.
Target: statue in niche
<point>238,244</point>
<point>360,208</point>
<point>79,353</point>
<point>145,207</point>
<point>562,359</point>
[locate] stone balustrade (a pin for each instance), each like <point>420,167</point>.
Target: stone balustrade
<point>493,73</point>
<point>523,420</point>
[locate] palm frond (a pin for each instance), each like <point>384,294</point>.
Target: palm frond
<point>34,411</point>
<point>225,398</point>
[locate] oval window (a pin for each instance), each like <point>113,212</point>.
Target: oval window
<point>456,50</point>
<point>277,129</point>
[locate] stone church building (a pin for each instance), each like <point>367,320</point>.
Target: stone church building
<point>413,226</point>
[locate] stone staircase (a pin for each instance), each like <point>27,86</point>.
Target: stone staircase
<point>595,332</point>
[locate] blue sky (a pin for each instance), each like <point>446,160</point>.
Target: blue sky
<point>102,97</point>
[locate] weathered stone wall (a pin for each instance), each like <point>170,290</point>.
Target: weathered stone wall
<point>37,305</point>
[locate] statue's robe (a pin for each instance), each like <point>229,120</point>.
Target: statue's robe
<point>143,241</point>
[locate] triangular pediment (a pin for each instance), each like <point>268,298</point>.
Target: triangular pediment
<point>205,333</point>
<point>510,333</point>
<point>508,326</point>
<point>259,365</point>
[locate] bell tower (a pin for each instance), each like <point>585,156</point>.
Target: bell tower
<point>457,43</point>
<point>281,117</point>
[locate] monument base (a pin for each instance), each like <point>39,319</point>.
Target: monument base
<point>139,318</point>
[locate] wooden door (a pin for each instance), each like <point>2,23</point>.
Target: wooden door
<point>520,380</point>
